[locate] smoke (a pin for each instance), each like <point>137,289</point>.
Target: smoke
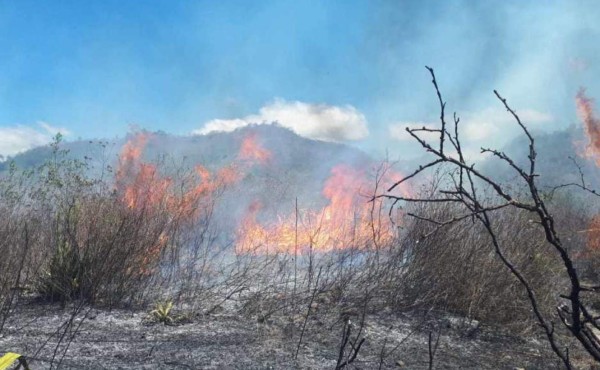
<point>490,127</point>
<point>314,121</point>
<point>535,54</point>
<point>398,131</point>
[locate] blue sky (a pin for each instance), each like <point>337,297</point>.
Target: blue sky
<point>349,71</point>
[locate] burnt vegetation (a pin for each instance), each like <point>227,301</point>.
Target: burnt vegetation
<point>447,251</point>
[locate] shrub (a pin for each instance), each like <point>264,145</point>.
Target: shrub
<point>453,267</point>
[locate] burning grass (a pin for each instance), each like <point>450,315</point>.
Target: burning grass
<point>352,218</point>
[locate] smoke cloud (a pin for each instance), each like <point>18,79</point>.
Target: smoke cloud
<point>488,127</point>
<point>398,132</point>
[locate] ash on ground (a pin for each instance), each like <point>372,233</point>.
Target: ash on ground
<point>231,338</point>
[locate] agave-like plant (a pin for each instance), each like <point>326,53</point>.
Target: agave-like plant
<point>162,312</point>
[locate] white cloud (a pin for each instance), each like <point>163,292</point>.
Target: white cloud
<point>17,139</point>
<point>315,121</point>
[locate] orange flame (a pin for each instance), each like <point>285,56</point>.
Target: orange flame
<point>591,125</point>
<point>129,158</point>
<point>141,187</point>
<point>252,151</point>
<point>348,220</point>
<point>139,183</point>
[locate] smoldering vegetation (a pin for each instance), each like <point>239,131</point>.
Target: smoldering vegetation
<point>165,263</point>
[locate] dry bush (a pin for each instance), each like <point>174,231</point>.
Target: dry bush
<point>20,226</point>
<point>102,251</point>
<point>71,237</point>
<point>453,267</point>
<point>91,246</point>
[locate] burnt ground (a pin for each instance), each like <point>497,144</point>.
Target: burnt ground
<point>125,339</point>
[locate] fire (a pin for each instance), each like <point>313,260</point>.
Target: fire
<point>142,188</point>
<point>348,220</point>
<point>229,175</point>
<point>147,187</point>
<point>132,150</point>
<point>139,183</point>
<point>591,125</point>
<point>252,151</point>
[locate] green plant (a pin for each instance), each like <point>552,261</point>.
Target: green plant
<point>162,312</point>
<point>61,279</point>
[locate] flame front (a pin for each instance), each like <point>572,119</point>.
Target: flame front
<point>591,127</point>
<point>349,220</point>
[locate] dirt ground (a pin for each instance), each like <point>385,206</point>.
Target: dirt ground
<point>125,339</point>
